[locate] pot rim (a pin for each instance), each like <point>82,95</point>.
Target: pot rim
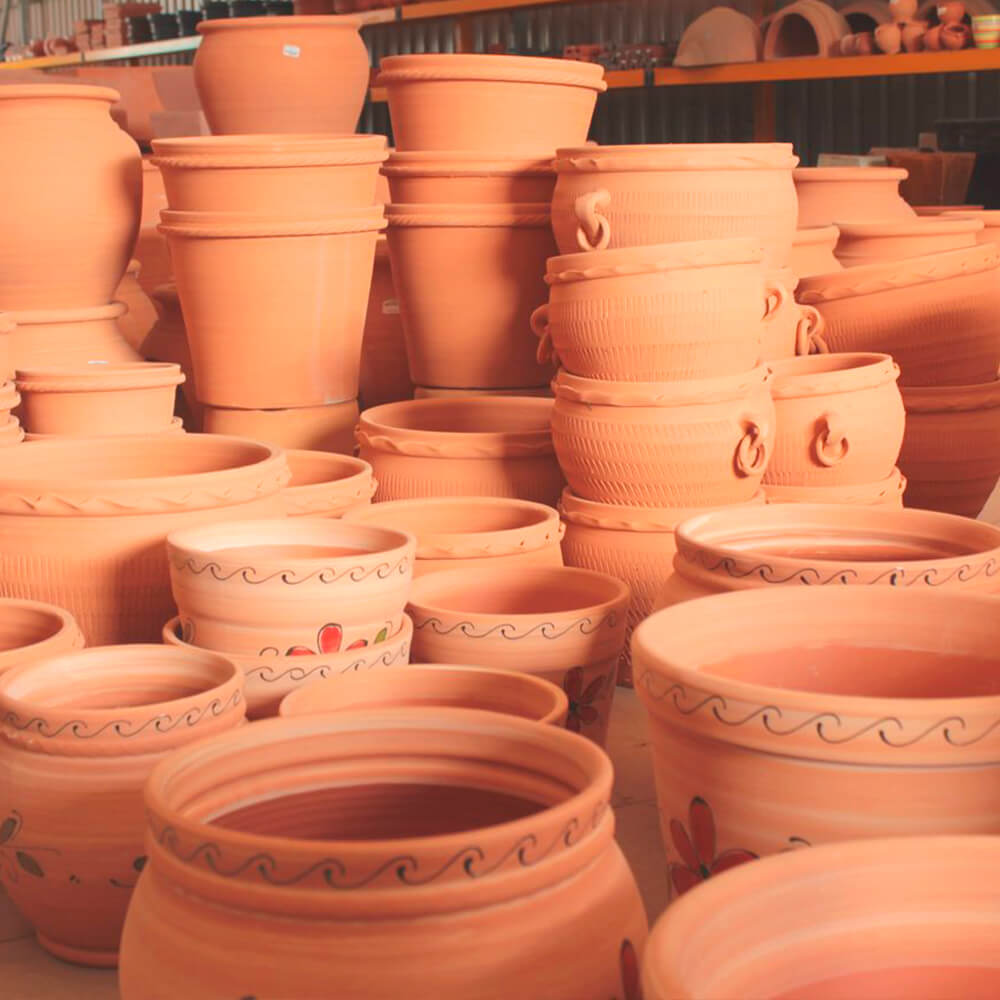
<point>79,91</point>
<point>865,493</point>
<point>430,67</point>
<point>29,317</point>
<point>214,25</point>
<point>816,374</point>
<point>271,143</point>
<point>684,393</point>
<point>536,215</point>
<point>356,482</point>
<point>806,175</point>
<point>465,163</point>
<point>676,156</point>
<point>990,217</point>
<point>951,398</point>
<point>928,225</point>
<point>815,236</point>
<point>100,376</point>
<point>239,225</point>
<point>63,621</point>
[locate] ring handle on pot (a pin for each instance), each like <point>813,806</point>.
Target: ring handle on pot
<point>751,452</point>
<point>539,323</point>
<point>775,296</point>
<point>830,446</point>
<point>593,231</point>
<point>809,332</point>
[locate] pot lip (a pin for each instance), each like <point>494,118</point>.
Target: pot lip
<point>79,91</point>
<point>63,621</point>
<point>815,235</point>
<point>284,21</point>
<point>864,493</point>
<point>689,392</point>
<point>347,472</point>
<point>175,426</point>
<point>990,217</point>
<point>928,225</point>
<point>951,398</point>
<point>100,376</point>
<point>676,156</point>
<point>225,225</point>
<point>932,210</point>
<point>814,374</point>
<point>208,147</point>
<point>500,215</point>
<point>28,317</point>
<point>806,175</point>
<point>465,163</point>
<point>429,67</point>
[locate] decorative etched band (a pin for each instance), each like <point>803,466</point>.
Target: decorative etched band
<point>271,671</point>
<point>513,632</point>
<point>212,160</point>
<point>509,74</point>
<point>667,161</point>
<point>512,445</point>
<point>325,575</point>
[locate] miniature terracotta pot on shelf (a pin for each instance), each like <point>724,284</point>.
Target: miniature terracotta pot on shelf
<point>700,443</point>
<point>313,428</point>
<point>794,329</point>
<point>140,316</point>
<point>518,104</point>
<point>32,630</point>
<point>325,485</point>
<point>83,520</point>
<point>891,919</point>
<point>889,38</point>
<point>470,532</point>
<point>913,33</point>
<point>270,678</point>
<point>831,195</point>
<point>720,35</point>
<point>70,336</point>
<point>463,446</point>
<point>875,242</point>
<point>886,492</point>
<point>620,196</point>
<point>562,624</point>
<point>79,735</point>
<point>932,39</point>
<point>813,251</point>
<point>804,28</point>
<point>795,716</point>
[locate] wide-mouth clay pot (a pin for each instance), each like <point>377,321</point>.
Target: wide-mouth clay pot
<point>813,251</point>
<point>70,336</point>
<point>83,520</point>
<point>337,836</point>
<point>990,233</point>
<point>839,419</point>
<point>794,329</point>
<point>520,104</point>
<point>327,428</point>
<point>565,625</point>
<point>325,485</point>
<point>831,195</point>
<point>465,446</point>
<point>434,686</point>
<point>32,630</point>
<point>79,735</point>
<point>794,716</point>
<point>696,443</point>
<point>873,242</point>
<point>896,930</point>
<point>886,492</point>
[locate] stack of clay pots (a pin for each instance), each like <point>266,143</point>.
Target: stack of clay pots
<point>272,239</point>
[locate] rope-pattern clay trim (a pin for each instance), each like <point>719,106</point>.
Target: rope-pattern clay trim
<point>675,263</point>
<point>298,672</point>
<point>509,630</point>
<point>307,504</point>
<point>871,375</point>
<point>230,161</point>
<point>100,382</point>
<point>478,220</point>
<point>473,550</point>
<point>672,393</point>
<point>647,162</point>
<point>325,575</point>
<point>531,445</point>
<point>619,522</point>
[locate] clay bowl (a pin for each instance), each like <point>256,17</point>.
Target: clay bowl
<point>31,630</point>
<point>324,484</point>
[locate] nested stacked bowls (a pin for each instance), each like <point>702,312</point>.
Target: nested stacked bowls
<point>326,485</point>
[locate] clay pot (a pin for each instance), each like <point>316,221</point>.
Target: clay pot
<point>829,195</point>
<point>297,586</point>
<point>434,686</point>
<point>69,336</point>
<point>813,251</point>
<point>805,28</point>
<point>176,426</point>
<point>913,35</point>
<point>889,38</point>
<point>312,428</point>
<point>278,175</point>
<point>951,449</point>
<point>564,625</point>
<point>463,446</point>
<point>795,328</point>
<point>79,735</point>
<point>659,313</point>
<point>955,36</point>
<point>952,210</point>
<point>938,316</point>
<point>468,278</point>
<point>470,532</point>
<point>839,420</point>
<point>518,104</point>
<point>950,12</point>
<point>140,316</point>
<point>621,196</point>
<point>882,493</point>
<point>83,521</point>
<point>98,400</point>
<point>848,45</point>
<point>281,74</point>
<point>64,153</point>
<point>990,233</point>
<point>930,10</point>
<point>32,631</point>
<point>635,544</point>
<point>167,342</point>
<point>325,485</point>
<point>932,39</point>
<point>431,392</point>
<point>875,242</point>
<point>903,10</point>
<point>473,845</point>
<point>720,35</point>
<point>864,43</point>
<point>701,443</point>
<point>875,942</point>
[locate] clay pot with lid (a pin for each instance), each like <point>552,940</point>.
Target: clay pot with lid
<point>699,443</point>
<point>886,492</point>
<point>794,328</point>
<point>608,197</point>
<point>873,242</point>
<point>33,630</point>
<point>70,336</point>
<point>831,195</point>
<point>313,428</point>
<point>80,733</point>
<point>325,485</point>
<point>518,104</point>
<point>813,251</point>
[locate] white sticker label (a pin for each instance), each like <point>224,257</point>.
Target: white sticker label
<point>390,307</point>
<point>292,51</point>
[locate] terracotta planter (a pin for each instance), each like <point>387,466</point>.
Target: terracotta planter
<point>6,362</point>
<point>325,485</point>
<point>794,329</point>
<point>659,313</point>
<point>69,336</point>
<point>281,74</point>
<point>990,233</point>
<point>298,286</point>
<point>140,316</point>
<point>831,195</point>
<point>100,399</point>
<point>875,242</point>
<point>470,532</point>
<point>150,246</point>
<point>938,316</point>
<point>83,521</point>
<point>429,392</point>
<point>278,175</point>
<point>701,443</point>
<point>167,341</point>
<point>468,278</point>
<point>518,104</point>
<point>564,625</point>
<point>32,631</point>
<point>63,152</point>
<point>813,251</point>
<point>11,432</point>
<point>805,28</point>
<point>951,449</point>
<point>466,446</point>
<point>176,426</point>
<point>434,686</point>
<point>839,420</point>
<point>882,493</point>
<point>620,196</point>
<point>79,735</point>
<point>312,428</point>
<point>893,932</point>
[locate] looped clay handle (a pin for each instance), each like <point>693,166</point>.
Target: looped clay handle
<point>751,452</point>
<point>775,296</point>
<point>809,332</point>
<point>539,323</point>
<point>593,231</point>
<point>830,446</point>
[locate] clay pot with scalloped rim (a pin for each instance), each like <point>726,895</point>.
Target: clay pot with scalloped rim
<point>886,492</point>
<point>874,242</point>
<point>325,485</point>
<point>70,336</point>
<point>813,251</point>
<point>831,195</point>
<point>794,329</point>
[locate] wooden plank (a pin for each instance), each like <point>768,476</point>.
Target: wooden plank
<point>162,48</point>
<point>44,62</point>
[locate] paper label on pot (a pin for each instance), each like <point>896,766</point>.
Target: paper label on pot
<point>390,307</point>
<point>292,51</point>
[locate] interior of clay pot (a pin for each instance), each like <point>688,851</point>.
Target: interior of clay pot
<point>816,364</point>
<point>310,468</point>
<point>795,37</point>
<point>21,626</point>
<point>486,415</point>
<point>454,517</point>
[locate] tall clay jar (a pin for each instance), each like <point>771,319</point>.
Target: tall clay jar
<point>79,735</point>
<point>497,831</point>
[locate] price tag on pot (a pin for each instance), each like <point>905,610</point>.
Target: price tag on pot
<point>292,51</point>
<point>390,307</point>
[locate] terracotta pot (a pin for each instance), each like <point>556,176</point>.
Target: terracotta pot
<point>63,151</point>
<point>930,10</point>
<point>720,35</point>
<point>468,278</point>
<point>83,521</point>
<point>620,196</point>
<point>281,74</point>
<point>875,242</point>
<point>635,544</point>
<point>938,316</point>
<point>839,420</point>
<point>955,36</point>
<point>813,251</point>
<point>951,449</point>
<point>501,833</point>
<point>913,36</point>
<point>434,686</point>
<point>829,195</point>
<point>794,329</point>
<point>990,233</point>
<point>313,428</point>
<point>325,485</point>
<point>176,426</point>
<point>889,38</point>
<point>950,12</point>
<point>279,175</point>
<point>805,28</point>
<point>300,286</point>
<point>69,336</point>
<point>429,392</point>
<point>467,446</point>
<point>701,443</point>
<point>151,247</point>
<point>11,432</point>
<point>659,313</point>
<point>518,104</point>
<point>32,631</point>
<point>932,38</point>
<point>470,532</point>
<point>141,315</point>
<point>564,625</point>
<point>99,399</point>
<point>891,921</point>
<point>949,209</point>
<point>882,493</point>
<point>167,342</point>
<point>79,735</point>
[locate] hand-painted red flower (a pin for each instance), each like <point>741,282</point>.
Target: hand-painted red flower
<point>581,708</point>
<point>697,850</point>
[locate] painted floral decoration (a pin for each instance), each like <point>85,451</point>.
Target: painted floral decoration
<point>697,849</point>
<point>581,700</point>
<point>330,639</point>
<point>17,858</point>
